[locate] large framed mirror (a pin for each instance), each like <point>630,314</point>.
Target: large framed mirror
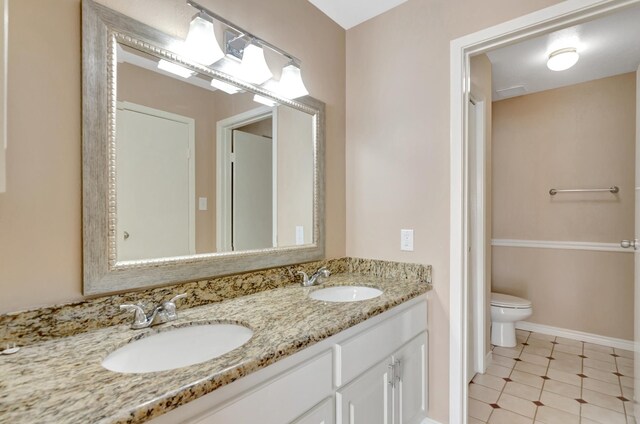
<point>185,179</point>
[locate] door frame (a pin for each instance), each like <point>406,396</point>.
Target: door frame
<point>224,138</point>
<point>191,124</point>
<point>561,15</point>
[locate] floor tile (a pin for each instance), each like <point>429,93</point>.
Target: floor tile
<point>534,369</point>
<point>573,349</point>
<point>564,389</point>
<point>628,371</point>
<point>526,378</point>
<point>602,415</point>
<point>567,357</point>
<point>498,371</point>
<point>549,415</point>
<point>483,394</point>
<point>534,359</point>
<point>565,377</point>
<point>502,416</point>
<point>624,362</point>
<point>606,376</point>
<point>600,356</point>
<point>509,352</point>
<point>563,403</point>
<point>490,381</point>
<point>540,336</point>
<point>568,342</point>
<point>598,347</point>
<point>479,410</point>
<point>522,391</point>
<point>471,420</point>
<point>523,333</point>
<point>573,367</point>
<point>602,400</point>
<point>545,344</point>
<point>600,365</point>
<point>503,361</point>
<point>518,405</point>
<point>536,350</point>
<point>627,392</point>
<point>602,387</point>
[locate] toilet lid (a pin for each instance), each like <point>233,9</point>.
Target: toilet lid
<point>507,301</point>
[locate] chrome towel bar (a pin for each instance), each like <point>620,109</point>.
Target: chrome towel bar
<point>554,191</point>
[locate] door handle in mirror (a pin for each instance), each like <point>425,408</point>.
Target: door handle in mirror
<point>629,243</point>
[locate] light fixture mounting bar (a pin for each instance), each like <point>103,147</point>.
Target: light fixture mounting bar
<point>242,31</point>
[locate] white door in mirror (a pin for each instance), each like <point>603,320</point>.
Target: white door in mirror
<point>176,348</point>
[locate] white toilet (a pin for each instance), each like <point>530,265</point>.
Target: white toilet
<point>506,310</point>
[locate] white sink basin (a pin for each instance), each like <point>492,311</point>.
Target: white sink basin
<point>345,293</point>
<point>177,348</point>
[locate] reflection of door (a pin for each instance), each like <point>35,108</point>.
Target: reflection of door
<point>155,183</point>
<point>252,191</point>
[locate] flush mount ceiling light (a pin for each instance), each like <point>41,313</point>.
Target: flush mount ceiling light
<point>291,84</point>
<point>253,67</point>
<point>248,49</point>
<point>175,69</point>
<point>563,59</point>
<point>201,44</point>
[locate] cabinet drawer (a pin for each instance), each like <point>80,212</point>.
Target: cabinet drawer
<point>320,414</point>
<point>358,353</point>
<point>280,400</point>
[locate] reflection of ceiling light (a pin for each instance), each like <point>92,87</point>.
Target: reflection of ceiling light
<point>174,68</point>
<point>563,59</point>
<point>253,67</point>
<point>201,44</point>
<point>291,85</point>
<point>227,88</point>
<point>264,101</point>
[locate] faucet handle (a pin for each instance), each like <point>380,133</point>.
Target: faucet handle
<point>180,296</point>
<point>169,307</point>
<point>305,277</point>
<point>324,271</point>
<point>139,317</point>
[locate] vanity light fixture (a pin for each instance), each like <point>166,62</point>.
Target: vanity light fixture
<point>253,67</point>
<point>291,84</point>
<point>201,44</point>
<point>563,59</point>
<point>175,69</point>
<point>227,88</point>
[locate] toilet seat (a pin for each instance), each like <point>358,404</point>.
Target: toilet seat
<point>507,301</point>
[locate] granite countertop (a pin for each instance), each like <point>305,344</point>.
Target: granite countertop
<point>62,381</point>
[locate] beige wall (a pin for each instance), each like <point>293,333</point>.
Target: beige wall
<point>398,144</point>
<point>481,89</point>
<point>572,137</point>
<point>40,215</point>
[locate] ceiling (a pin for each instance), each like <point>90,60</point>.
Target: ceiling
<point>349,13</point>
<point>607,46</point>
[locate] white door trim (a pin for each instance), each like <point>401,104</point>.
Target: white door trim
<point>191,124</point>
<point>567,13</point>
<point>224,136</point>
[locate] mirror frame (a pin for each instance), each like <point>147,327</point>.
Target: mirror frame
<point>102,29</point>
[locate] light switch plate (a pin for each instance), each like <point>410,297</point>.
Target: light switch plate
<point>406,240</point>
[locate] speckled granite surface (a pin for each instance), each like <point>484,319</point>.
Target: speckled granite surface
<point>26,327</point>
<point>61,380</point>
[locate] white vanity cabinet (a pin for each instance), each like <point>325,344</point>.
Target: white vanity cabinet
<point>374,372</point>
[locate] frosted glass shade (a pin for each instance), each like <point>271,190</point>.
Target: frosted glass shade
<point>291,85</point>
<point>254,68</point>
<point>562,59</point>
<point>201,44</point>
<point>174,69</point>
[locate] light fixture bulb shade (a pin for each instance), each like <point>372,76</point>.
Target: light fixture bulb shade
<point>563,59</point>
<point>254,68</point>
<point>226,87</point>
<point>175,69</point>
<point>291,84</point>
<point>263,100</point>
<point>201,44</point>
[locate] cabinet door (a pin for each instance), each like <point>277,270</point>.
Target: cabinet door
<point>411,388</point>
<point>367,399</point>
<point>320,414</point>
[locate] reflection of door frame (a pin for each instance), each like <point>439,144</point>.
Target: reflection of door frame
<point>190,122</point>
<point>224,137</point>
<point>543,21</point>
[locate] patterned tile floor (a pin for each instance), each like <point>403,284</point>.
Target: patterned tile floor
<point>548,379</point>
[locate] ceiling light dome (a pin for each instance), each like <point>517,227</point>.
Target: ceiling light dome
<point>563,59</point>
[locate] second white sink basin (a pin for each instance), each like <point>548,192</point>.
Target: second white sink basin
<point>177,348</point>
<point>345,293</point>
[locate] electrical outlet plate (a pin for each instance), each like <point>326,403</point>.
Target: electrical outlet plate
<point>406,240</point>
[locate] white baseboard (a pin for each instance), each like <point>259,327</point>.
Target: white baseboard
<point>487,361</point>
<point>576,335</point>
<point>429,421</point>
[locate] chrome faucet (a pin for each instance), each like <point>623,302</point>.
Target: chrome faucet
<point>310,281</point>
<point>165,312</point>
